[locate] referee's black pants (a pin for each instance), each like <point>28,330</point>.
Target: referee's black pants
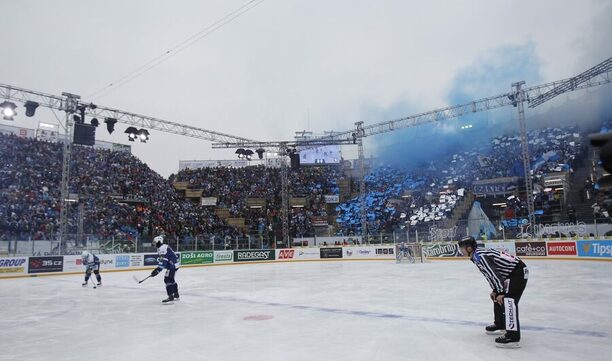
<point>507,315</point>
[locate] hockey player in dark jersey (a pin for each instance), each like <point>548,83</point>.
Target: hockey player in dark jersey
<point>507,275</point>
<point>168,261</point>
<point>92,264</point>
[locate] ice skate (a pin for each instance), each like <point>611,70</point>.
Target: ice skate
<point>506,342</point>
<point>494,330</point>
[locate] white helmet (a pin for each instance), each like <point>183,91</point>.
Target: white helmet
<point>85,254</point>
<point>158,240</point>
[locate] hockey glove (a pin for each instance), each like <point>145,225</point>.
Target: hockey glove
<point>155,272</point>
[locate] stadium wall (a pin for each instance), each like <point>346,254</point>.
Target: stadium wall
<point>15,267</point>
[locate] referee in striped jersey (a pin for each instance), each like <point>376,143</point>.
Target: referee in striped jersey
<point>507,275</point>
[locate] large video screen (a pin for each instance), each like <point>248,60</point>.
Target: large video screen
<point>329,154</point>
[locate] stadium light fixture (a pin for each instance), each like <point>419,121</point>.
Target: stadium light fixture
<point>8,110</point>
<point>260,152</point>
<point>143,135</point>
<point>110,124</point>
<point>95,122</point>
<point>240,153</point>
<point>248,154</point>
<point>30,108</point>
<point>132,133</point>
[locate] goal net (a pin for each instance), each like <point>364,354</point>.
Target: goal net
<point>409,253</point>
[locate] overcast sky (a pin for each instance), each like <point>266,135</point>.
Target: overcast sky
<point>288,65</point>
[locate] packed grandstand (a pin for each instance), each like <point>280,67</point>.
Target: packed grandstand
<point>478,190</point>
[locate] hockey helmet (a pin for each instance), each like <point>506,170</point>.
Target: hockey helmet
<point>467,242</point>
<point>157,241</point>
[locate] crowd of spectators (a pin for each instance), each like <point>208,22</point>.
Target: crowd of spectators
<point>121,196</point>
<point>234,186</point>
<point>427,194</point>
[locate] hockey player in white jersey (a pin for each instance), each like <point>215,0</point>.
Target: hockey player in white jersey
<point>168,260</point>
<point>91,262</point>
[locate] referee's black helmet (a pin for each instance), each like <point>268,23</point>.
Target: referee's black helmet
<point>468,242</point>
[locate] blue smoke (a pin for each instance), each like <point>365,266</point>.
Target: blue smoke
<point>493,74</point>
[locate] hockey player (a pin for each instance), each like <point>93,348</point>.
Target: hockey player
<point>507,275</point>
<point>168,261</point>
<point>92,264</point>
<point>404,251</point>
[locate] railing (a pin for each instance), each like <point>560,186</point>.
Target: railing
<point>508,229</point>
<point>28,246</point>
<point>215,243</point>
<point>19,245</point>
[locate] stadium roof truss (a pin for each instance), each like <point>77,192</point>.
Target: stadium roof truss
<point>62,103</point>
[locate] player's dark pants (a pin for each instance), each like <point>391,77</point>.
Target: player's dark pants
<point>171,286</point>
<point>96,271</point>
<point>507,316</point>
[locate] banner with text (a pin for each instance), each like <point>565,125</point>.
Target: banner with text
<point>46,264</point>
<point>441,250</point>
<point>202,257</point>
<point>331,252</point>
<point>561,248</point>
<point>530,249</point>
<point>254,255</point>
<point>73,263</point>
<point>224,256</point>
<point>297,254</point>
<point>13,265</point>
<point>597,249</point>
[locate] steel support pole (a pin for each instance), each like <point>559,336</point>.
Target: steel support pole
<point>519,99</point>
<point>70,106</point>
<point>362,185</point>
<point>284,193</point>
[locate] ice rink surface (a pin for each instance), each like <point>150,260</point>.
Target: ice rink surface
<point>353,311</point>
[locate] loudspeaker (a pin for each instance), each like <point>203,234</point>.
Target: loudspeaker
<point>84,134</point>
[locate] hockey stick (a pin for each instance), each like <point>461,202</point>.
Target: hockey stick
<point>141,281</point>
<point>92,282</point>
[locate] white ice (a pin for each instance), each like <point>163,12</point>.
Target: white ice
<point>353,311</point>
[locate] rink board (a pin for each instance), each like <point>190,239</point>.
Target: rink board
<point>581,250</point>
